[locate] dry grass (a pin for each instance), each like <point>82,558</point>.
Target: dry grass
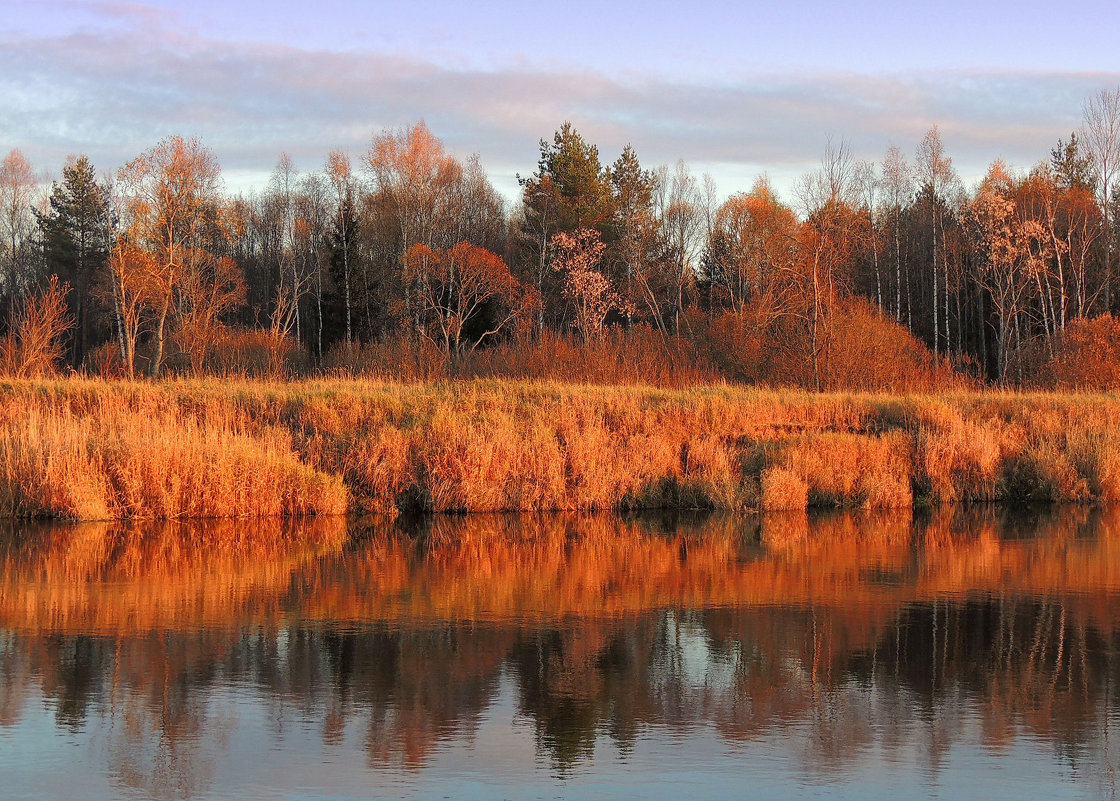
<point>115,460</point>
<point>95,449</point>
<point>842,469</point>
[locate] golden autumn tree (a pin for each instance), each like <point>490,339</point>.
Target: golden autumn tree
<point>1011,249</point>
<point>414,179</point>
<point>172,212</point>
<point>423,195</point>
<point>1069,215</point>
<point>753,270</point>
<point>129,270</point>
<point>753,250</point>
<point>416,176</point>
<point>828,241</point>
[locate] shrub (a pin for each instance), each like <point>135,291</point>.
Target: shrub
<point>860,350</point>
<point>866,351</point>
<point>255,353</point>
<point>1085,356</point>
<point>33,345</point>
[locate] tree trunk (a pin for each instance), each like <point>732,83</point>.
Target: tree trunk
<point>157,360</point>
<point>936,338</point>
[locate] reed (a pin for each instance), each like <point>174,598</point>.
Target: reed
<point>83,448</point>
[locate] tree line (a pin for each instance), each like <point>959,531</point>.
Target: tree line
<point>157,268</point>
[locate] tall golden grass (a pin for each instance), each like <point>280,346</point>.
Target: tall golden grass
<point>102,457</point>
<point>83,448</point>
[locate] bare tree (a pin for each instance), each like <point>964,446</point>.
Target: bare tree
<point>1101,135</point>
<point>898,187</point>
<point>935,170</point>
<point>17,184</point>
<point>312,222</point>
<point>282,202</point>
<point>684,223</point>
<point>342,179</point>
<point>868,183</point>
<point>540,219</point>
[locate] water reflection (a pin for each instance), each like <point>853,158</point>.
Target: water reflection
<point>838,641</point>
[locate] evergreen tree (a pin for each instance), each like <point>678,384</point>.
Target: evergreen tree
<point>634,226</point>
<point>583,186</point>
<point>76,243</point>
<point>1072,168</point>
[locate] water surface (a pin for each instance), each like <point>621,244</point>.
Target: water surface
<point>970,654</point>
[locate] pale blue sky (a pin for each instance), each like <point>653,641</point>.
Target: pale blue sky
<point>733,89</point>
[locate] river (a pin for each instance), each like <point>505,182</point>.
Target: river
<point>969,653</point>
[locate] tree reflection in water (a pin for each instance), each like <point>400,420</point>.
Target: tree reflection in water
<point>841,634</point>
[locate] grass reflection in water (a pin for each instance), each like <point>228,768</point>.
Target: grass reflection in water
<point>841,637</point>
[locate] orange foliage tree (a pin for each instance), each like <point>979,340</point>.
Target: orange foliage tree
<point>829,240</point>
<point>753,250</point>
<point>456,284</point>
<point>425,196</point>
<point>130,268</point>
<point>1083,356</point>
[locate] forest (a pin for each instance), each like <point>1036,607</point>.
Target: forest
<point>403,262</point>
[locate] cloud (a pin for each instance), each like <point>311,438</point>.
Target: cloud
<point>114,92</point>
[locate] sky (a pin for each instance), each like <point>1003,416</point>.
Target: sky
<point>734,89</point>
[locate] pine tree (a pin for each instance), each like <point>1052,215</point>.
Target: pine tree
<point>76,243</point>
<point>582,184</point>
<point>1072,168</point>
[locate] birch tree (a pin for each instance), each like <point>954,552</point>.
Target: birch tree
<point>17,187</point>
<point>172,208</point>
<point>935,171</point>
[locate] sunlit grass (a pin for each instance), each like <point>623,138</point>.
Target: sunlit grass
<point>94,449</point>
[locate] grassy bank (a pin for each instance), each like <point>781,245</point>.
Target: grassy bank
<point>93,449</point>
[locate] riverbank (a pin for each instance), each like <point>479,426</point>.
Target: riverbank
<point>93,449</point>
